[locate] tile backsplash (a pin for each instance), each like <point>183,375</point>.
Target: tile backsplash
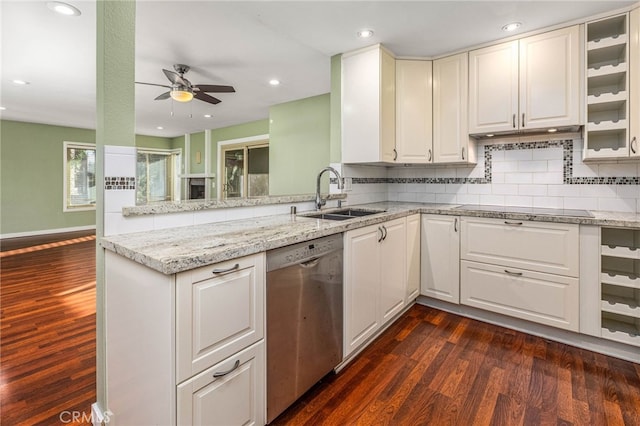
<point>544,173</point>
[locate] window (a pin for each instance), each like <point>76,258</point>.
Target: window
<point>245,170</point>
<point>156,175</point>
<point>79,176</point>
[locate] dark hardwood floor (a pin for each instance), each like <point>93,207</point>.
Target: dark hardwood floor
<point>430,367</point>
<point>48,331</point>
<point>436,368</point>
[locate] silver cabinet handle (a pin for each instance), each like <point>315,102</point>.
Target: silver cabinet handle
<point>385,232</point>
<point>223,270</point>
<point>463,152</point>
<point>523,119</point>
<point>513,121</point>
<point>515,274</point>
<point>381,234</point>
<point>224,373</point>
<point>395,154</point>
<point>634,142</point>
<point>506,222</point>
<point>455,225</point>
<point>429,155</point>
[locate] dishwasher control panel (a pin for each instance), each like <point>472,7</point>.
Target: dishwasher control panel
<point>302,252</point>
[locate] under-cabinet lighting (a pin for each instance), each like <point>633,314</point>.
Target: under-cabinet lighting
<point>511,27</point>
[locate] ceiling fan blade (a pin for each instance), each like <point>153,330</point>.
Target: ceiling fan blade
<point>153,84</point>
<point>165,95</point>
<point>214,88</point>
<point>204,97</point>
<point>175,78</point>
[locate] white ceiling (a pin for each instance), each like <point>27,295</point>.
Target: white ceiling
<point>239,43</point>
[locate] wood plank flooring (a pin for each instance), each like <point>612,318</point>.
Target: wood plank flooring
<point>47,332</point>
<point>436,368</point>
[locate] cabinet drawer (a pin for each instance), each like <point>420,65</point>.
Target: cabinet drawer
<point>544,298</point>
<point>235,398</point>
<point>218,313</point>
<point>537,246</point>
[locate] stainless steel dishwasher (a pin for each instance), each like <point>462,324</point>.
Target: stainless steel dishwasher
<point>304,318</point>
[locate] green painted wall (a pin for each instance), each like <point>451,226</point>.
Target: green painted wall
<point>335,149</point>
<point>197,145</point>
<point>31,175</point>
<point>298,145</point>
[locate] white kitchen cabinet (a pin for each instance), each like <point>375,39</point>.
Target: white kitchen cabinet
<point>413,257</point>
<point>374,279</point>
<point>634,83</point>
<point>440,257</point>
<point>451,142</point>
<point>414,111</point>
<point>368,106</point>
<point>168,334</point>
<point>543,298</point>
<point>220,310</point>
<point>229,393</point>
<point>526,269</point>
<point>611,71</point>
<point>531,83</point>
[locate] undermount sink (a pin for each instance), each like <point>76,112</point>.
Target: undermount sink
<point>343,214</point>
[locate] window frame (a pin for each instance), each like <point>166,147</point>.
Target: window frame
<point>65,177</point>
<point>176,165</point>
<point>258,141</point>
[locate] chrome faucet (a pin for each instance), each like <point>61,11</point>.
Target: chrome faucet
<point>319,201</point>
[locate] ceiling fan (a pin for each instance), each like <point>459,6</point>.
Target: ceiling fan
<point>182,90</point>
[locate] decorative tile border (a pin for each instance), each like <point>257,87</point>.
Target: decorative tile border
<point>567,172</point>
<point>114,183</point>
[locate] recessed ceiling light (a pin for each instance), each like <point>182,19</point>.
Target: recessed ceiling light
<point>2,108</point>
<point>63,8</point>
<point>160,128</point>
<point>511,27</point>
<point>274,82</point>
<point>208,116</point>
<point>20,82</point>
<point>552,130</point>
<point>365,33</point>
<point>490,135</point>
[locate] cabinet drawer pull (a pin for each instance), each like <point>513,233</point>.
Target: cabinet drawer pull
<point>385,232</point>
<point>634,142</point>
<point>513,121</point>
<point>463,152</point>
<point>223,270</point>
<point>523,119</point>
<point>455,225</point>
<point>224,373</point>
<point>430,155</point>
<point>395,154</point>
<point>506,222</point>
<point>381,234</point>
<point>515,274</point>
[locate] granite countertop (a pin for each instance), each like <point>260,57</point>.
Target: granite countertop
<point>180,249</point>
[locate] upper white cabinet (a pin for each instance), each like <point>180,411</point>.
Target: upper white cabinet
<point>613,87</point>
<point>414,111</point>
<point>368,106</point>
<point>451,143</point>
<point>525,84</point>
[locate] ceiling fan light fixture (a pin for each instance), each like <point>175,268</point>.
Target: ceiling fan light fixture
<point>181,95</point>
<point>63,8</point>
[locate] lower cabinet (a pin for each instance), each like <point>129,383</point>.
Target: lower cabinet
<point>534,296</point>
<point>229,393</point>
<point>374,279</point>
<point>413,257</point>
<point>440,257</point>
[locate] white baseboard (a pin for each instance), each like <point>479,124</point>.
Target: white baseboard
<point>46,232</point>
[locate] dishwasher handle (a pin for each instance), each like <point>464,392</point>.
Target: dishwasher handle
<point>312,263</point>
